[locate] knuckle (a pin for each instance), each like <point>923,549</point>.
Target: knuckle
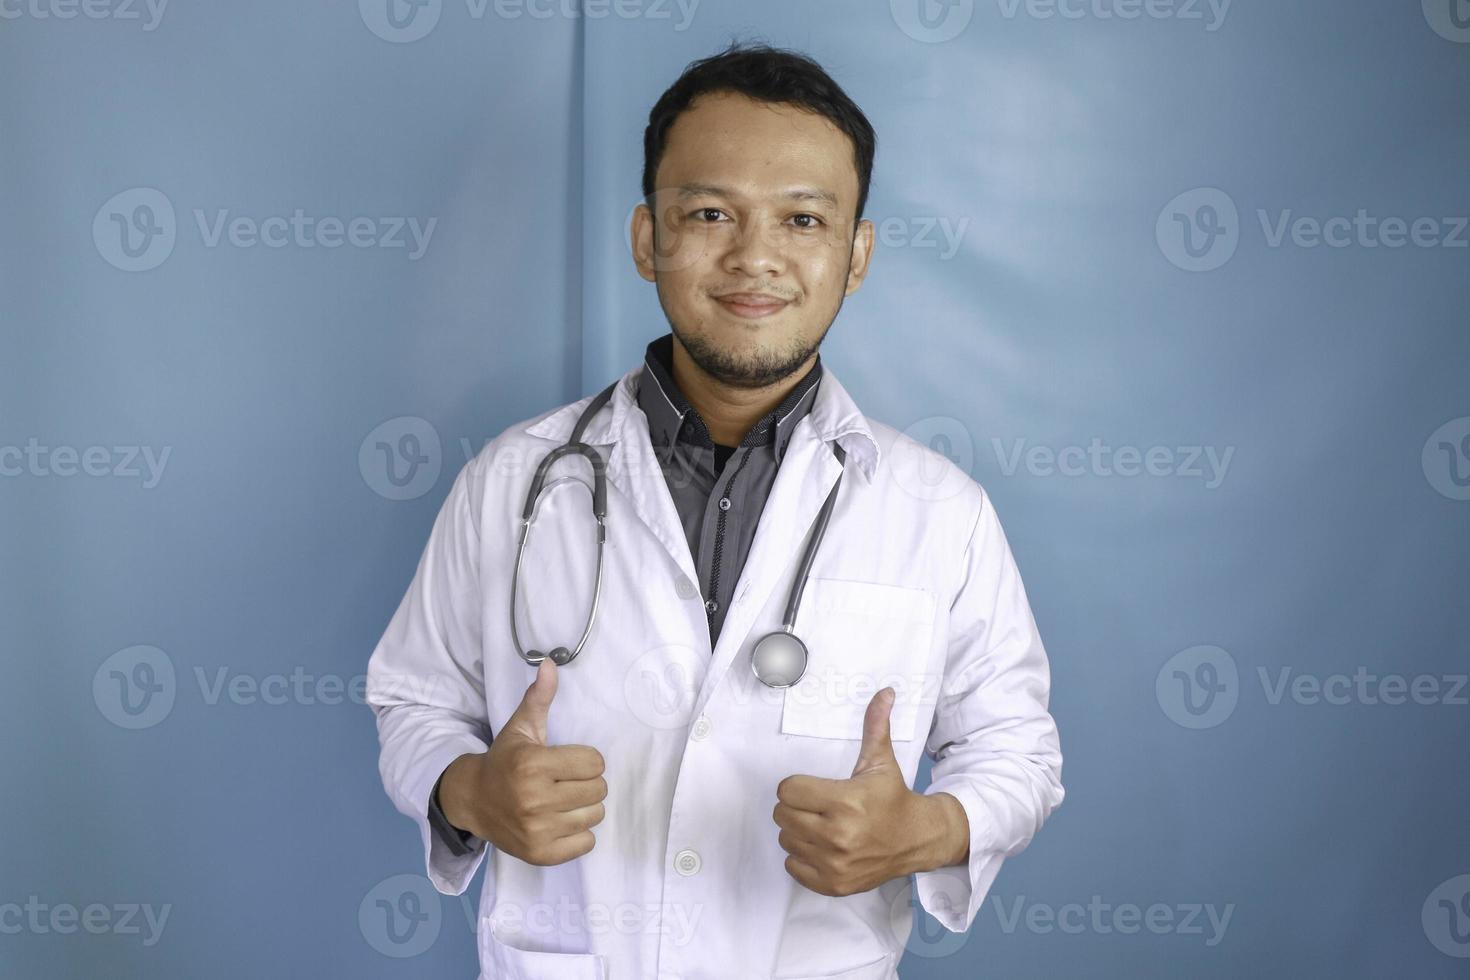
<point>521,765</point>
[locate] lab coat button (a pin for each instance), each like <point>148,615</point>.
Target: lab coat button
<point>701,728</point>
<point>686,862</point>
<point>724,503</point>
<point>684,587</point>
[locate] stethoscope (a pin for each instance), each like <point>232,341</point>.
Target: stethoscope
<point>779,659</point>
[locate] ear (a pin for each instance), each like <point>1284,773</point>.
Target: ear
<point>641,239</point>
<point>862,254</point>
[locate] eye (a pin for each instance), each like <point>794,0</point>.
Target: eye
<point>702,213</point>
<point>816,220</point>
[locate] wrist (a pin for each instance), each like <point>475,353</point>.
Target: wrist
<point>449,792</point>
<point>946,832</point>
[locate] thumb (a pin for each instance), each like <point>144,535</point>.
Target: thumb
<point>877,749</point>
<point>529,718</point>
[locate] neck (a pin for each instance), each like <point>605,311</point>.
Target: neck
<point>729,412</point>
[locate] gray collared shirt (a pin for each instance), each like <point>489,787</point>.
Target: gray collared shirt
<point>719,492</point>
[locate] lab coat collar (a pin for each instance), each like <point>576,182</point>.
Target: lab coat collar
<point>833,416</point>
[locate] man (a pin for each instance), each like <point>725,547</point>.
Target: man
<point>741,830</point>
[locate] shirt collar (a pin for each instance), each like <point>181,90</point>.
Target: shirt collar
<point>834,416</point>
<point>671,418</point>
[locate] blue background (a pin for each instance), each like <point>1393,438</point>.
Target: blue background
<point>1336,541</point>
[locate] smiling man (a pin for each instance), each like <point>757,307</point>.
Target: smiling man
<point>794,603</point>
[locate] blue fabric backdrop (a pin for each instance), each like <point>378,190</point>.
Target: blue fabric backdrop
<point>1184,284</point>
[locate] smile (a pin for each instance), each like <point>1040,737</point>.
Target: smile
<point>752,306</point>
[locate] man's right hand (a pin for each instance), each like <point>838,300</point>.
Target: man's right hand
<point>531,800</point>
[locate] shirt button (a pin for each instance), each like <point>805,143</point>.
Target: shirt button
<point>684,587</point>
<point>711,606</point>
<point>702,726</point>
<point>687,862</point>
<point>724,503</point>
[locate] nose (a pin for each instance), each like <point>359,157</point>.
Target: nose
<point>756,252</point>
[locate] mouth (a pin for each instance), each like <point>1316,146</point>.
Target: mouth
<point>752,306</point>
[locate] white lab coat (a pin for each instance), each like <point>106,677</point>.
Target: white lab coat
<point>914,586</point>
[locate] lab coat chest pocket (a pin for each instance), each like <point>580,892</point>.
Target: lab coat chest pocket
<point>499,960</point>
<point>860,637</point>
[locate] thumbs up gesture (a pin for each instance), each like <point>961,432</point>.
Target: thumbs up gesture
<point>844,836</point>
<point>532,800</point>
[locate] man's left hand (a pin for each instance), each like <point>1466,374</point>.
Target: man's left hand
<point>845,836</point>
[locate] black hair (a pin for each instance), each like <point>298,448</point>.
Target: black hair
<point>776,75</point>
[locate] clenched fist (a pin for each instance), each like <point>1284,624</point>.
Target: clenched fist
<point>844,836</point>
<point>532,800</point>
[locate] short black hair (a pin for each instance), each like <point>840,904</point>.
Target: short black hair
<point>769,74</point>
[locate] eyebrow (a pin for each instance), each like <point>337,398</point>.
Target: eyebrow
<point>792,194</point>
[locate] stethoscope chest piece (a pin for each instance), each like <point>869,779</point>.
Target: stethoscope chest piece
<point>779,658</point>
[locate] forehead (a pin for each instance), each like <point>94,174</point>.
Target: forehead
<point>757,149</point>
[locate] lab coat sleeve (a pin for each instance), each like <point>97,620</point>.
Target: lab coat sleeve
<point>995,745</point>
<point>424,679</point>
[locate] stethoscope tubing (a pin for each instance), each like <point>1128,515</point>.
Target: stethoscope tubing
<point>574,445</point>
